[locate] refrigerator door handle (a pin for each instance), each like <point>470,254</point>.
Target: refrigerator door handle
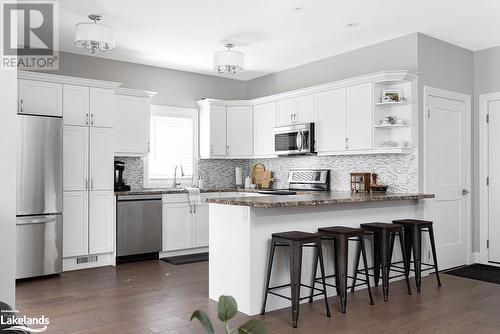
<point>37,220</point>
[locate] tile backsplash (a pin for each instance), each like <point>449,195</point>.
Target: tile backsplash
<point>399,171</point>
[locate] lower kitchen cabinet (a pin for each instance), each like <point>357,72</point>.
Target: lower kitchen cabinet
<point>177,221</point>
<point>101,229</point>
<point>75,223</point>
<point>200,226</point>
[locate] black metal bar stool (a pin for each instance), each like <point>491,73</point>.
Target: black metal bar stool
<point>413,229</point>
<point>295,240</point>
<point>341,236</point>
<point>383,245</point>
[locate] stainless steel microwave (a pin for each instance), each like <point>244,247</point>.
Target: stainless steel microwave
<point>294,139</point>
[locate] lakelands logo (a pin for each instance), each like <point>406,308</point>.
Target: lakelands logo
<point>10,321</point>
<point>30,35</point>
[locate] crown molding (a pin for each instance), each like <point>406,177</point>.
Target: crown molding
<point>62,79</point>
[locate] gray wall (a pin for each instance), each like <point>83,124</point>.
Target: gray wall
<point>396,54</point>
<point>8,136</point>
<point>174,88</point>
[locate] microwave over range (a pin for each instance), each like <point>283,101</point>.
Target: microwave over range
<point>294,139</point>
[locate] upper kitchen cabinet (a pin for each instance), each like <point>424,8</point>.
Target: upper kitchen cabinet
<point>102,105</point>
<point>239,132</point>
<point>40,98</point>
<point>331,107</point>
<point>296,110</point>
<point>132,122</point>
<point>264,120</point>
<point>360,117</point>
<point>213,120</point>
<point>76,100</point>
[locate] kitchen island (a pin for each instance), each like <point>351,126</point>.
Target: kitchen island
<point>240,230</point>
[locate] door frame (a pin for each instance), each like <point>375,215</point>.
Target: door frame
<point>438,92</point>
<point>482,256</point>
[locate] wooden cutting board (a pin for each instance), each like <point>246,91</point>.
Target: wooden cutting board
<point>261,177</point>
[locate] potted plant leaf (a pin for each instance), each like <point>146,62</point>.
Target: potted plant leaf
<point>227,310</point>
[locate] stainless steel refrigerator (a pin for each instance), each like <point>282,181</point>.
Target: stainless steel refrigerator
<point>39,223</point>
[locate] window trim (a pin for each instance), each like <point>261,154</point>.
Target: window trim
<point>174,112</point>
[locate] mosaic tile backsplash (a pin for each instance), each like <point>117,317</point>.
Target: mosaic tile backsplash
<point>400,172</point>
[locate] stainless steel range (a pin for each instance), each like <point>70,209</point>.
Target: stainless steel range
<point>304,180</point>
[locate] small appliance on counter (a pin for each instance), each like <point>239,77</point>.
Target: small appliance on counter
<point>303,180</point>
<point>119,183</point>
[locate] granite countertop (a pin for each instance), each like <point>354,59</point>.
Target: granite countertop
<point>327,198</point>
<point>152,191</point>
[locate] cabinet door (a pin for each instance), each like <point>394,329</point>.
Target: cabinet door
<point>360,117</point>
<point>102,107</point>
<point>132,125</point>
<point>240,131</point>
<point>101,159</point>
<point>75,221</point>
<point>305,109</point>
<point>200,226</point>
<point>264,116</point>
<point>76,105</point>
<point>331,124</point>
<point>101,231</point>
<point>217,131</point>
<point>39,98</point>
<point>177,226</point>
<point>286,111</point>
<point>75,158</point>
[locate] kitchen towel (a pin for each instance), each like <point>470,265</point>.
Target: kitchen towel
<point>193,195</point>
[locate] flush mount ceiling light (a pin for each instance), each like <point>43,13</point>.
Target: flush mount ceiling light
<point>228,61</point>
<point>299,9</point>
<point>94,35</point>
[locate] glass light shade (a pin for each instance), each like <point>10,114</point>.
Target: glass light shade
<point>94,36</point>
<point>228,61</point>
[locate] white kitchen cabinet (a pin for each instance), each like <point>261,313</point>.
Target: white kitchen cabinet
<point>296,110</point>
<point>102,107</point>
<point>75,231</point>
<point>177,226</point>
<point>212,130</point>
<point>100,224</point>
<point>75,158</point>
<point>264,120</point>
<point>132,123</point>
<point>239,132</point>
<point>360,117</point>
<point>331,108</point>
<point>76,104</point>
<point>40,98</point>
<point>200,226</point>
<point>101,159</point>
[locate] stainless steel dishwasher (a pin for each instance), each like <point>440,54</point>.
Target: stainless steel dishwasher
<point>138,225</point>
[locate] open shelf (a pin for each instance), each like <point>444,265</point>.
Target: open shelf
<point>386,104</point>
<point>382,126</point>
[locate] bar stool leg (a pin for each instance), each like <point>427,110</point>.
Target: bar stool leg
<point>365,264</point>
<point>268,277</point>
<point>406,263</point>
<point>315,270</point>
<point>417,255</point>
<point>295,273</point>
<point>434,256</point>
<point>322,269</point>
<point>336,265</point>
<point>408,247</point>
<point>376,258</point>
<point>357,257</point>
<point>384,242</point>
<point>342,251</point>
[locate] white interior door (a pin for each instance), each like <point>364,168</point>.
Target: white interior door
<point>493,112</point>
<point>447,173</point>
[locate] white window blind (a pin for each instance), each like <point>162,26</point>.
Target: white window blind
<point>172,143</point>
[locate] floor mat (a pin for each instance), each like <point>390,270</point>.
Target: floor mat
<point>478,272</point>
<point>185,259</point>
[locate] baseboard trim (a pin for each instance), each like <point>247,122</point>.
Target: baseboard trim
<point>70,264</point>
<point>184,252</point>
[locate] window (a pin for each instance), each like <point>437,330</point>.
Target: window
<point>174,141</point>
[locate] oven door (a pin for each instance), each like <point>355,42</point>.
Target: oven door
<point>296,139</point>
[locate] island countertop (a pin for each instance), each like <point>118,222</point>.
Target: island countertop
<point>316,199</point>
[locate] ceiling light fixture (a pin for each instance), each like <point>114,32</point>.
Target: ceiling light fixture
<point>228,61</point>
<point>299,9</point>
<point>351,25</point>
<point>94,35</point>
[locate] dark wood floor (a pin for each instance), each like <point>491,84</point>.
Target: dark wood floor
<point>156,297</point>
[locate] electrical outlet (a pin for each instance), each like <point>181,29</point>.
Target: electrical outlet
<point>401,178</point>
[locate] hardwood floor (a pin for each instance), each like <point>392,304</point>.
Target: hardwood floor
<point>156,297</point>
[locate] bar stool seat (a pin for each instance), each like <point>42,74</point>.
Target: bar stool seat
<point>296,241</point>
<point>413,229</point>
<point>340,230</point>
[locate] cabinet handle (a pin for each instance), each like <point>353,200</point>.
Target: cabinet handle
<point>87,118</point>
<point>22,105</point>
<point>211,149</point>
<point>92,119</point>
<point>190,209</point>
<point>149,147</point>
<point>194,208</point>
<point>346,142</point>
<point>91,184</point>
<point>291,118</point>
<point>227,149</point>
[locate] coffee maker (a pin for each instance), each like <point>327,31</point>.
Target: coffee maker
<point>119,184</point>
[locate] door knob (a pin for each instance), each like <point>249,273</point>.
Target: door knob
<point>465,191</point>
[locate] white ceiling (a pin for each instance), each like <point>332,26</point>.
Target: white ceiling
<point>185,34</point>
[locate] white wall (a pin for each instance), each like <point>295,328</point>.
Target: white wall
<point>8,96</point>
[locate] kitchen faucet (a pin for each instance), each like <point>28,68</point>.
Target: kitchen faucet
<point>175,176</point>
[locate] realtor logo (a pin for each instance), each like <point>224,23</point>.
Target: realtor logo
<point>30,35</point>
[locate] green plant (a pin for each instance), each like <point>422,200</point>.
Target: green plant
<point>227,310</point>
